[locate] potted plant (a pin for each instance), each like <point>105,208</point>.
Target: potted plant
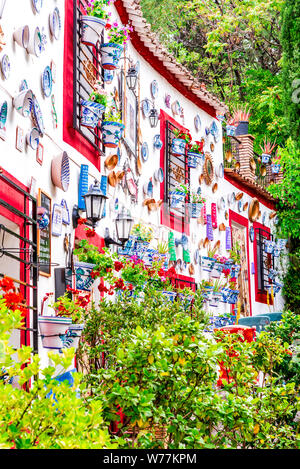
<point>178,195</point>
<point>241,117</point>
<point>180,141</point>
<point>195,204</point>
<point>195,154</point>
<point>216,294</point>
<point>206,288</point>
<point>92,109</point>
<point>231,128</point>
<point>275,166</point>
<point>93,24</point>
<point>208,262</point>
<point>235,257</point>
<point>112,128</point>
<point>162,253</point>
<point>267,149</point>
<point>111,51</point>
<point>72,306</point>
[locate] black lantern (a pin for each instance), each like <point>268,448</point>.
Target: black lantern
<point>131,78</point>
<point>94,201</point>
<point>153,117</point>
<point>124,223</point>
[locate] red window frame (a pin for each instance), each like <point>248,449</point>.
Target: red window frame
<point>70,135</point>
<point>235,217</point>
<point>167,219</point>
<point>14,198</point>
<point>259,297</point>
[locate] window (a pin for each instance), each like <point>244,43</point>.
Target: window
<point>263,262</point>
<point>87,72</point>
<point>18,251</point>
<point>176,171</point>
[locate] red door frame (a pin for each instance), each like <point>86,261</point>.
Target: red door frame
<point>16,199</point>
<point>235,217</point>
<point>167,219</point>
<point>259,297</point>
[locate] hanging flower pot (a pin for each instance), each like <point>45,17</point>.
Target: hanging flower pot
<point>178,146</point>
<point>275,168</point>
<point>110,55</point>
<point>91,112</point>
<point>232,296</point>
<point>83,277</point>
<point>265,158</point>
<point>53,331</point>
<point>194,209</point>
<point>91,29</point>
<point>72,337</point>
<point>234,269</point>
<point>169,295</point>
<point>269,246</point>
<point>193,159</point>
<point>207,263</point>
<point>215,299</point>
<point>216,270</point>
<point>111,133</point>
<point>177,198</point>
<point>207,293</point>
<point>230,130</point>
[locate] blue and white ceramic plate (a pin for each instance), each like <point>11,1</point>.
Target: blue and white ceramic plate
<point>3,114</point>
<point>240,206</point>
<point>146,107</point>
<point>251,234</point>
<point>55,23</point>
<point>154,89</point>
<point>47,82</point>
<point>214,130</point>
<point>264,218</point>
<point>37,115</point>
<point>5,66</point>
<point>145,151</point>
<point>37,5</point>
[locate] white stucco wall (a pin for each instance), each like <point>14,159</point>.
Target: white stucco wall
<point>23,165</point>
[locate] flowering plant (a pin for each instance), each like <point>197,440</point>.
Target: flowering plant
<point>182,188</point>
<point>98,97</point>
<point>143,232</point>
<point>196,147</point>
<point>113,115</point>
<point>74,308</point>
<point>183,135</point>
<point>118,34</point>
<point>14,299</point>
<point>197,198</point>
<point>97,8</point>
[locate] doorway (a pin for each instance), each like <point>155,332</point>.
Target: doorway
<point>240,235</point>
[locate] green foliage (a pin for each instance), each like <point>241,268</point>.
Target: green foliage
<point>290,39</point>
<point>48,414</point>
<point>288,332</point>
<point>288,192</point>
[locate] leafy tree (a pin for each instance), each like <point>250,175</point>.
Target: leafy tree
<point>290,39</point>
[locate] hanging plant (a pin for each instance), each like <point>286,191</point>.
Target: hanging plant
<point>267,149</point>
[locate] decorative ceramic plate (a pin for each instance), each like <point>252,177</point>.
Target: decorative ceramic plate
<point>251,234</point>
<point>47,82</point>
<point>3,114</point>
<point>176,108</point>
<point>154,89</point>
<point>240,206</point>
<point>146,107</point>
<point>5,66</point>
<point>37,5</point>
<point>37,115</point>
<point>168,100</point>
<point>55,23</point>
<point>214,130</point>
<point>264,218</point>
<point>221,171</point>
<point>145,151</point>
<point>197,257</point>
<point>24,85</point>
<point>197,122</point>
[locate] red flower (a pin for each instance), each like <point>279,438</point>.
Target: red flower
<point>130,287</point>
<point>7,284</point>
<point>90,233</point>
<point>81,221</point>
<point>118,266</point>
